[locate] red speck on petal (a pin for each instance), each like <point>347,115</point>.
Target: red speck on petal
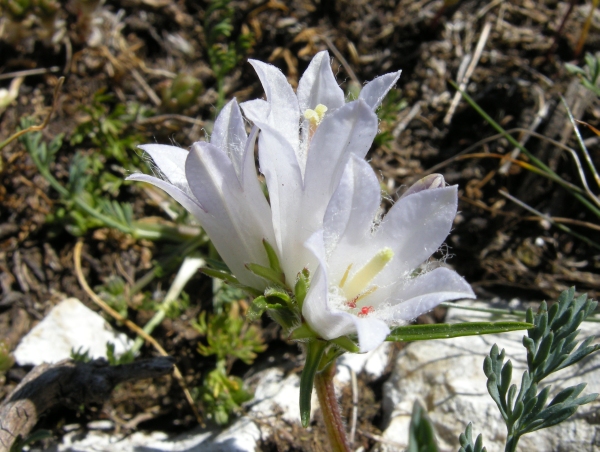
<point>365,311</point>
<point>351,303</point>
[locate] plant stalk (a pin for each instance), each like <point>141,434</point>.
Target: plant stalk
<point>331,411</point>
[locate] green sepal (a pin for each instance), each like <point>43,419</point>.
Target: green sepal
<point>303,332</point>
<point>329,357</point>
<point>219,274</point>
<point>314,352</point>
<point>276,296</point>
<point>230,279</point>
<point>445,331</point>
<point>283,315</point>
<point>257,308</point>
<point>301,287</point>
<point>267,273</point>
<point>273,260</point>
<point>347,344</point>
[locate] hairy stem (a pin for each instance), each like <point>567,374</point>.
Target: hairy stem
<point>331,410</point>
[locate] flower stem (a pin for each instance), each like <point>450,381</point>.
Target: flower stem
<point>331,411</point>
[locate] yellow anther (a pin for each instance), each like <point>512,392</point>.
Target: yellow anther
<point>321,110</point>
<point>316,116</point>
<point>359,282</point>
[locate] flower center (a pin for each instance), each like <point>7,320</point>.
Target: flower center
<point>315,116</point>
<point>356,287</point>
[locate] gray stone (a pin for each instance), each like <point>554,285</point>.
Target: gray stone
<point>446,377</point>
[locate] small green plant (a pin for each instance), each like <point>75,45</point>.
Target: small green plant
<point>84,207</point>
<point>81,355</point>
<point>181,93</point>
<point>466,441</point>
<point>113,360</point>
<point>228,337</point>
<point>388,115</point>
<point>114,293</point>
<point>551,346</point>
<point>107,127</point>
<point>224,52</point>
<point>588,74</point>
<point>421,436</point>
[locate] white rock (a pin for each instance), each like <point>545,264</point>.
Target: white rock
<point>69,326</point>
<point>446,377</point>
<point>373,363</point>
<point>276,397</point>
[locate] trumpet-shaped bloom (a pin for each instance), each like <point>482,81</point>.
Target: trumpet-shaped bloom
<point>367,277</point>
<point>305,142</point>
<point>217,183</point>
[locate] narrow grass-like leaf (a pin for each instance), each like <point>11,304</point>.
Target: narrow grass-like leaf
<point>445,331</point>
<point>314,352</point>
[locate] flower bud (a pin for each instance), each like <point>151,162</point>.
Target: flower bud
<point>427,183</point>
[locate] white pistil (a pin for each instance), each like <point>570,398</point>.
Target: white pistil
<point>359,282</point>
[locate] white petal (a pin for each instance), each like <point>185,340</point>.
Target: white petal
<point>232,222</point>
<point>284,114</point>
<point>256,110</point>
<point>349,130</point>
<point>229,134</point>
<point>187,201</point>
<point>425,292</point>
<point>170,161</point>
<point>318,85</point>
<point>353,207</point>
<point>324,320</point>
<point>279,165</point>
<point>371,332</point>
<point>416,226</point>
<point>374,91</point>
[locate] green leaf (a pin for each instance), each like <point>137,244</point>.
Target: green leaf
<point>421,436</point>
<point>301,287</point>
<point>266,273</point>
<point>257,308</point>
<point>273,259</point>
<point>466,441</point>
<point>284,316</point>
<point>302,332</point>
<point>347,344</point>
<point>314,352</point>
<point>446,331</point>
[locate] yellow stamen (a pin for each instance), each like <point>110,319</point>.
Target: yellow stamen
<point>367,292</point>
<point>315,116</point>
<point>345,277</point>
<point>365,275</point>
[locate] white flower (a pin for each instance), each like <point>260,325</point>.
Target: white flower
<point>305,142</point>
<point>217,183</point>
<point>365,282</point>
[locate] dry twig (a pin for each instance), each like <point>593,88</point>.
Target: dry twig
<point>67,383</point>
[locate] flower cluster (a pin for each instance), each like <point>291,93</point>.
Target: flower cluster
<point>321,219</point>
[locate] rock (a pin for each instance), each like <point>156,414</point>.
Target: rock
<point>69,326</point>
<point>274,407</point>
<point>373,364</point>
<point>447,377</point>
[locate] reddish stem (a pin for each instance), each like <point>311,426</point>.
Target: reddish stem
<point>331,411</point>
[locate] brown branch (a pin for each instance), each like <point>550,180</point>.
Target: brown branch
<point>67,383</point>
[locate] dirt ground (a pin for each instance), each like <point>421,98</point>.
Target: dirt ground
<point>118,60</point>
